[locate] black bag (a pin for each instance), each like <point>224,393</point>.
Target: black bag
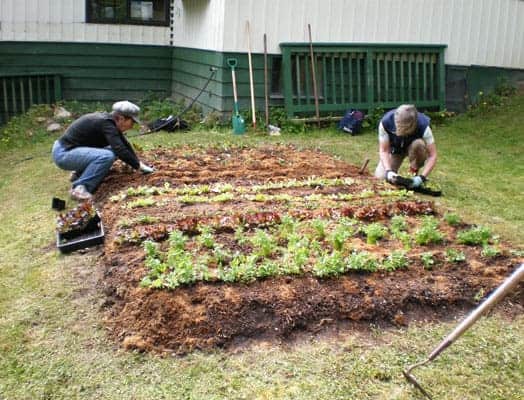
<point>352,122</point>
<point>169,124</point>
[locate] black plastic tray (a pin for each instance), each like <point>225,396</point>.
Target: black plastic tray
<point>86,239</point>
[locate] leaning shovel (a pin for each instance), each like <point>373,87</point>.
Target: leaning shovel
<point>239,126</point>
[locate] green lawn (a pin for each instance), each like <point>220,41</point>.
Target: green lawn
<point>52,339</point>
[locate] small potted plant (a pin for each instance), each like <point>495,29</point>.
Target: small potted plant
<point>80,219</point>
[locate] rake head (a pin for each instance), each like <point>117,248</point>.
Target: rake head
<point>411,378</point>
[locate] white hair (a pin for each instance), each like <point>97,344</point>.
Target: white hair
<point>405,119</point>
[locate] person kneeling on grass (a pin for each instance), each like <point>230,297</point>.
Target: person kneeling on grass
<point>405,132</point>
<point>92,143</point>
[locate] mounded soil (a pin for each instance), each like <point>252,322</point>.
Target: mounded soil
<point>216,314</point>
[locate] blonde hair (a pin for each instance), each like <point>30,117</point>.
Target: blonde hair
<point>405,119</point>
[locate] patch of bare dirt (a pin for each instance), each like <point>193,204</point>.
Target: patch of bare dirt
<point>211,314</point>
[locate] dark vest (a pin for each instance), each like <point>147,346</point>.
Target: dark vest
<point>400,144</point>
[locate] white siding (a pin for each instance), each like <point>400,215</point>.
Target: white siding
<point>64,21</point>
<point>481,32</point>
<point>199,24</point>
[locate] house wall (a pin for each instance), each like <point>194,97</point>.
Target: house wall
<point>94,72</point>
<point>476,32</point>
<point>199,24</point>
<point>64,21</point>
<point>105,62</point>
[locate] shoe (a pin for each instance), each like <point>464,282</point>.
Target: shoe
<point>80,193</point>
<point>74,176</point>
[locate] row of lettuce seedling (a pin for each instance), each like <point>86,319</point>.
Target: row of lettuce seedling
<point>292,248</point>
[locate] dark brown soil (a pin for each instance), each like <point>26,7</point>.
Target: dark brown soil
<point>212,314</point>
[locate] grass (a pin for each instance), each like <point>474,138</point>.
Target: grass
<point>53,344</point>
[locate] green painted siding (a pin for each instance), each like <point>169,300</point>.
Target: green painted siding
<point>191,71</point>
<point>109,72</point>
<point>94,72</point>
<point>463,83</point>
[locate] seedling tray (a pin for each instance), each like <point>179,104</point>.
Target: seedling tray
<point>86,238</point>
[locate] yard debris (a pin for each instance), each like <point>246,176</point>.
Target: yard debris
<point>54,127</point>
<point>61,113</point>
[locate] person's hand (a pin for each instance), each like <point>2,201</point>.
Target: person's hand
<point>145,169</point>
<point>390,176</point>
<point>418,181</point>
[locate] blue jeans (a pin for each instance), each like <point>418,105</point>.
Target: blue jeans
<point>91,163</point>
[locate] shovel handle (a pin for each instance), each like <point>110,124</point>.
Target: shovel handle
<point>233,78</point>
<point>501,292</point>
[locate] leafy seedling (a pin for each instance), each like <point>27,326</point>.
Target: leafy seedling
<point>474,236</point>
<point>374,232</point>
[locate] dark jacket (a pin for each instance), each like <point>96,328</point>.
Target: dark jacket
<point>400,144</point>
<point>99,130</point>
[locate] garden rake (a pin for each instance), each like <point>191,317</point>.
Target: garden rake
<point>506,287</point>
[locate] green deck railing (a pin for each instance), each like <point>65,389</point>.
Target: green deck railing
<point>18,92</point>
<point>363,76</point>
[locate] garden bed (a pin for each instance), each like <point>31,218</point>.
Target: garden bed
<point>226,244</point>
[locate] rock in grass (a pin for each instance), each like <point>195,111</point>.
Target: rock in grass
<point>62,113</point>
<point>54,127</point>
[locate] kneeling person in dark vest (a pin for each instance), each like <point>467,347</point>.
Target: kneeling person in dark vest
<point>405,132</point>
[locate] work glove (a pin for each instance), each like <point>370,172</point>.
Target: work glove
<point>145,169</point>
<point>418,181</point>
<point>391,176</point>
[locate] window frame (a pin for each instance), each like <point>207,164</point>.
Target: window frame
<point>90,19</point>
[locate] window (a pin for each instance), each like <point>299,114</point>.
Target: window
<point>140,12</point>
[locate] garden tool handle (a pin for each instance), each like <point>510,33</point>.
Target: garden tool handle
<point>506,287</point>
<point>232,62</point>
<point>234,80</point>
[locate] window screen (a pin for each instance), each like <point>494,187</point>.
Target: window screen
<point>142,12</point>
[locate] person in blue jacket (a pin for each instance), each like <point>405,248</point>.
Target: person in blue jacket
<point>92,143</point>
<point>405,132</point>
